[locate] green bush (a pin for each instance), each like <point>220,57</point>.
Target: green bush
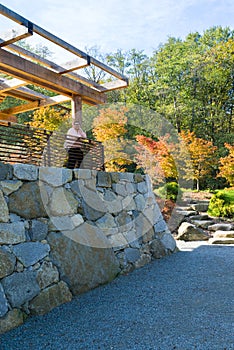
<point>171,190</point>
<point>222,204</point>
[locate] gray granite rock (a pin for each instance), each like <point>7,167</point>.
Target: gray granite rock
<point>7,262</point>
<point>38,230</point>
<point>81,263</point>
<point>50,298</point>
<point>25,172</point>
<point>27,201</point>
<point>202,223</point>
<point>221,227</point>
<point>6,171</point>
<point>4,212</point>
<point>12,319</point>
<point>132,255</point>
<point>20,287</point>
<point>223,234</point>
<point>3,302</point>
<point>189,232</point>
<point>29,253</point>
<point>55,176</point>
<point>200,207</point>
<point>9,186</point>
<point>157,249</point>
<point>12,233</point>
<point>103,179</point>
<point>168,241</point>
<point>47,274</point>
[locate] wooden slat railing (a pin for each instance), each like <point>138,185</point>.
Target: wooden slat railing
<point>24,144</point>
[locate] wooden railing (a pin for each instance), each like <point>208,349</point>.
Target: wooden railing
<point>24,144</point>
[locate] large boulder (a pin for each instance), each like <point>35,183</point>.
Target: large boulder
<point>189,232</point>
<point>84,257</point>
<point>27,202</point>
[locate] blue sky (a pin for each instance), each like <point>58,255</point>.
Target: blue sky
<point>123,24</point>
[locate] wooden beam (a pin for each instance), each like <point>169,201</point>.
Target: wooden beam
<point>50,101</point>
<point>9,84</point>
<point>47,35</point>
<point>67,67</point>
<point>14,35</point>
<point>8,117</point>
<point>76,104</point>
<point>57,68</point>
<point>26,94</point>
<point>116,84</point>
<point>36,74</point>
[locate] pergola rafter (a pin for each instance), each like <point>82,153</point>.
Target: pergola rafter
<point>23,67</point>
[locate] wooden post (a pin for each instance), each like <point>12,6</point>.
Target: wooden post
<point>76,104</point>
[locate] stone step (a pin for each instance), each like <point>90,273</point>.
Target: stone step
<point>200,217</point>
<point>223,234</point>
<point>202,223</point>
<point>221,227</point>
<point>221,241</point>
<point>200,207</point>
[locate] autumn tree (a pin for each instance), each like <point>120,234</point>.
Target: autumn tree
<point>109,127</point>
<point>156,158</point>
<point>227,165</point>
<point>50,119</point>
<point>202,157</point>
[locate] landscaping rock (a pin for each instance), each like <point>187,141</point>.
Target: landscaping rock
<point>12,233</point>
<point>10,186</point>
<point>202,223</point>
<point>7,263</point>
<point>223,234</point>
<point>200,207</point>
<point>29,253</point>
<point>4,212</point>
<point>25,172</point>
<point>221,227</point>
<point>50,298</point>
<point>12,319</point>
<point>47,274</point>
<point>27,202</point>
<point>55,176</point>
<point>157,248</point>
<point>221,241</point>
<point>3,302</point>
<point>20,287</point>
<point>38,230</point>
<point>189,232</point>
<point>80,262</point>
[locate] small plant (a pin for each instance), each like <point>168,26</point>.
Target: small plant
<point>171,190</point>
<point>222,204</point>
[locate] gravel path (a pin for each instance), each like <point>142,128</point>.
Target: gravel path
<point>184,302</point>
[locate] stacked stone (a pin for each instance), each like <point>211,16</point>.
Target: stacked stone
<point>63,232</point>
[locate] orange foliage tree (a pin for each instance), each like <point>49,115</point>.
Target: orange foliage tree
<point>202,157</point>
<point>156,158</point>
<point>109,127</point>
<point>227,165</point>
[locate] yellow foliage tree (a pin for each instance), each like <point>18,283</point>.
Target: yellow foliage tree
<point>109,127</point>
<point>227,165</point>
<point>50,119</point>
<point>202,157</point>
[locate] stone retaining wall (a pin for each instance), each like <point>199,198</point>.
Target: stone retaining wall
<point>63,232</point>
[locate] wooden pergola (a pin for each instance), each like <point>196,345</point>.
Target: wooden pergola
<point>22,67</point>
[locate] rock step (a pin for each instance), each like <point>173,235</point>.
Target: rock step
<point>202,223</point>
<point>221,227</point>
<point>223,234</point>
<point>221,241</point>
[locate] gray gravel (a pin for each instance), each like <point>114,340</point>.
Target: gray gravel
<point>184,302</point>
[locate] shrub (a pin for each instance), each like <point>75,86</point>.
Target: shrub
<point>222,204</point>
<point>171,190</point>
